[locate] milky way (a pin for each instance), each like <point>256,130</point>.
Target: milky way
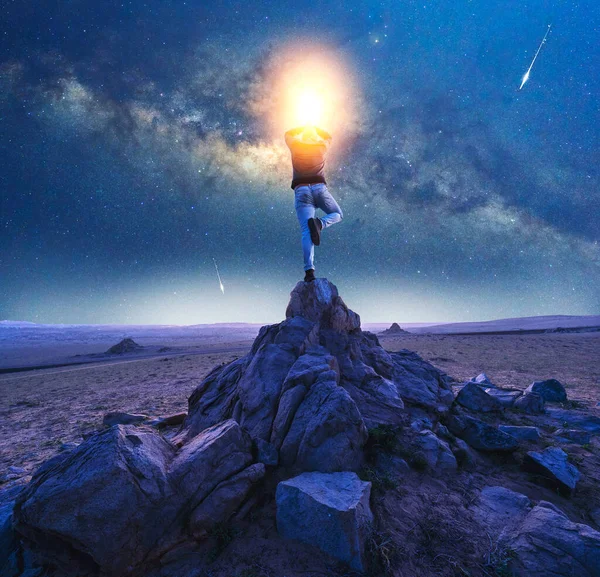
<point>137,146</point>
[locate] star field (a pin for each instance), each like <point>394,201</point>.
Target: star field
<point>136,146</point>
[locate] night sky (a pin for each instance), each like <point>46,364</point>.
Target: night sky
<point>140,140</point>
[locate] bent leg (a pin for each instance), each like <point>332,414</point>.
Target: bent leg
<point>326,202</point>
<point>304,211</point>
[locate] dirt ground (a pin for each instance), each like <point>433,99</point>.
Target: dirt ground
<point>40,410</point>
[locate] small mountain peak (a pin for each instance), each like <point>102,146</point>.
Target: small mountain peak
<point>395,329</point>
<point>127,345</point>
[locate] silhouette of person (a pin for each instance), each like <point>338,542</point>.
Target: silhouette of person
<point>309,145</point>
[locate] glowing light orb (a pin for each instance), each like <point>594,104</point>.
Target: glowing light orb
<point>309,107</point>
<point>303,85</point>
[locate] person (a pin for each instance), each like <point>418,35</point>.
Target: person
<point>308,146</point>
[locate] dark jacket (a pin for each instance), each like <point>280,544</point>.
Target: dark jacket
<point>308,158</point>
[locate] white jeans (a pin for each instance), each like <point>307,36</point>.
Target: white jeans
<point>309,197</point>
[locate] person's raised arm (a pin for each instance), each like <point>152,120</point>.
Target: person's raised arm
<point>290,134</point>
<point>323,134</point>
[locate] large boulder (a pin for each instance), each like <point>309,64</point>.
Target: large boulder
<point>434,452</point>
<point>530,403</point>
<point>538,541</point>
<point>550,390</point>
<point>474,398</point>
<point>330,511</point>
<point>552,468</point>
<point>548,544</point>
<point>480,435</point>
<point>126,496</point>
<point>420,383</point>
<point>97,507</point>
<point>327,433</point>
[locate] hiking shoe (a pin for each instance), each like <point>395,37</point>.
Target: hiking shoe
<point>309,275</point>
<point>315,226</point>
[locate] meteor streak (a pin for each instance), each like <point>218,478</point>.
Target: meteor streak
<point>219,277</point>
<point>526,75</point>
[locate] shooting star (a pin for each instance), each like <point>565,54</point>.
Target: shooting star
<point>526,75</point>
<point>219,277</point>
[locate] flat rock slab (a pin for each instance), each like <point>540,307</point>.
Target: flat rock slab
<point>499,510</point>
<point>576,419</point>
<point>328,510</point>
<point>573,436</point>
<point>550,390</point>
<point>552,467</point>
<point>521,433</point>
<point>506,397</point>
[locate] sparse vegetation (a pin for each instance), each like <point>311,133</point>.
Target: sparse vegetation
<point>223,534</point>
<point>573,404</point>
<point>498,560</point>
<point>381,551</point>
<point>382,437</point>
<point>380,481</point>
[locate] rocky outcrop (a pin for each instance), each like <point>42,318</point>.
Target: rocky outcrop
<point>552,468</point>
<point>121,498</point>
<point>548,544</point>
<point>541,540</point>
<point>550,390</point>
<point>312,385</point>
<point>330,511</point>
<point>301,400</point>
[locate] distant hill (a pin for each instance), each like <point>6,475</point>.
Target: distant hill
<point>538,324</point>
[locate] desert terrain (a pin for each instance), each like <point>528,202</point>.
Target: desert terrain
<point>43,411</point>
